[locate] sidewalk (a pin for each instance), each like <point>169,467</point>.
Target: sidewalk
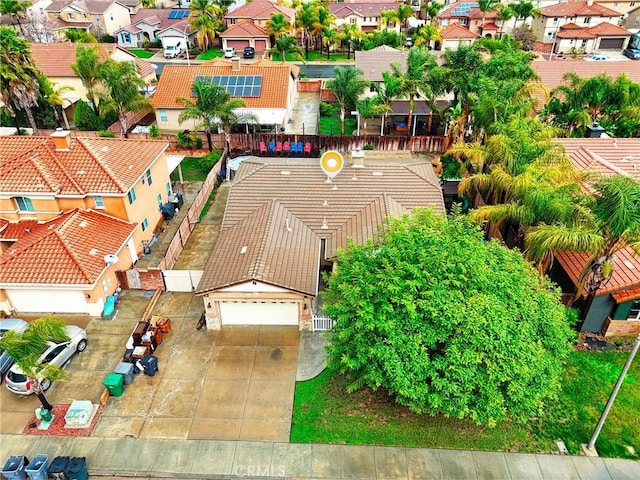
<point>223,459</point>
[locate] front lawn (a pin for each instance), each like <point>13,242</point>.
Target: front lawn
<point>210,54</point>
<point>314,56</point>
<point>324,413</point>
<point>195,169</point>
<point>140,53</point>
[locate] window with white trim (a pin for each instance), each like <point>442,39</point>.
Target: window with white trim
<point>145,224</point>
<point>168,188</point>
<point>131,195</point>
<point>587,20</point>
<point>163,115</point>
<point>148,175</point>
<point>99,201</point>
<point>24,204</point>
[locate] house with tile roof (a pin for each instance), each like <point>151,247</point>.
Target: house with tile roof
<point>469,16</point>
<point>282,226</point>
<point>44,177</point>
<point>616,306</point>
<point>259,12</point>
<point>367,15</point>
<point>377,60</point>
<point>268,89</point>
<point>455,35</point>
<point>55,59</point>
<point>66,264</point>
<point>153,24</point>
<point>572,25</point>
<point>246,34</point>
<point>98,16</point>
<point>551,73</point>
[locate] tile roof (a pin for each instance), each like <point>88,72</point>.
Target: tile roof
<point>626,271</point>
<point>476,14</point>
<point>457,9</point>
<point>260,10</point>
<point>608,30</point>
<point>626,295</point>
<point>158,17</point>
<point>374,9</point>
<point>89,6</point>
<point>31,165</point>
<point>245,30</point>
<point>575,9</point>
<point>67,250</point>
<point>573,33</point>
<point>55,59</point>
<point>455,31</point>
<point>605,156</point>
<point>551,72</point>
<point>12,231</point>
<point>177,80</point>
<point>374,62</point>
<point>264,196</point>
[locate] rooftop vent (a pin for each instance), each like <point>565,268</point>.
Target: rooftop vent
<point>83,224</point>
<point>93,251</point>
<point>243,249</point>
<point>324,223</point>
<point>285,172</point>
<point>80,172</point>
<point>629,265</point>
<point>377,173</point>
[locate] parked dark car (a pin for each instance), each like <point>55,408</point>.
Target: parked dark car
<point>249,52</point>
<point>632,53</point>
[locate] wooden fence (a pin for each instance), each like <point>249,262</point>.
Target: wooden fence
<point>309,85</point>
<point>621,328</point>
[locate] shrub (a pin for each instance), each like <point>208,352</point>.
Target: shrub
<point>183,139</point>
<point>107,39</point>
<point>106,134</point>
<point>451,168</point>
<point>368,146</point>
<point>86,119</point>
<point>154,132</point>
<point>196,141</point>
<point>327,109</point>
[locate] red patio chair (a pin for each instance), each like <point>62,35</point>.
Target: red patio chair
<point>286,147</point>
<point>307,147</point>
<point>278,147</point>
<point>263,148</point>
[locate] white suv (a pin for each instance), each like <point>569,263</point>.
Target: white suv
<point>229,52</point>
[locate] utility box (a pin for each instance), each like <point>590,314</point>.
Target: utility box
<point>113,382</point>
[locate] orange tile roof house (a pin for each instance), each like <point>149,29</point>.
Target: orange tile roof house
<point>282,226</point>
<point>454,35</point>
<point>44,177</point>
<point>551,73</point>
<point>258,12</point>
<point>619,299</point>
<point>152,24</point>
<point>469,16</point>
<point>245,34</point>
<point>270,97</point>
<point>100,17</point>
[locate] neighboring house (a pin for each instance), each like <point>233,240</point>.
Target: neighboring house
<point>548,27</point>
<point>377,60</point>
<point>616,307</point>
<point>267,88</point>
<point>153,24</point>
<point>38,24</point>
<point>366,15</point>
<point>468,15</point>
<point>55,59</point>
<point>245,34</point>
<point>282,226</point>
<point>102,16</point>
<point>551,73</point>
<point>258,12</point>
<point>633,19</point>
<point>67,203</point>
<point>621,7</point>
<point>454,35</point>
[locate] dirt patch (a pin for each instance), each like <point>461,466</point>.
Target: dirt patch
<point>598,342</point>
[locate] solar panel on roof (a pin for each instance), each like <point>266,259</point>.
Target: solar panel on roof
<point>172,14</point>
<point>236,85</point>
<point>185,13</point>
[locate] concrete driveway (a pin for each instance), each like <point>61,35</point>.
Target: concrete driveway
<point>236,384</point>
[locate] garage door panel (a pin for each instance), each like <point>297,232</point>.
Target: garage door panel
<point>53,301</point>
<point>261,45</point>
<point>238,44</point>
<point>611,43</point>
<point>259,313</point>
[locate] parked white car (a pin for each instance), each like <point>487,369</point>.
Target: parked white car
<point>56,353</point>
<point>229,52</point>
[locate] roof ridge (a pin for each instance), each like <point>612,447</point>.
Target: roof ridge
<point>31,156</point>
<point>102,165</point>
<point>259,266</point>
<point>68,249</point>
<point>603,161</point>
<point>419,174</point>
<point>64,169</point>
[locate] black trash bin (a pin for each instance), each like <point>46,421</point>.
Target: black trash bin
<point>148,364</point>
<point>58,467</point>
<point>14,467</point>
<point>77,469</point>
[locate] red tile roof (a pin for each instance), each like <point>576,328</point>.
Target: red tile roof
<point>626,295</point>
<point>374,9</point>
<point>608,30</point>
<point>476,14</point>
<point>16,230</point>
<point>605,156</point>
<point>551,72</point>
<point>91,165</point>
<point>574,9</point>
<point>68,250</point>
<point>245,30</point>
<point>260,10</point>
<point>55,59</point>
<point>582,33</point>
<point>177,81</point>
<point>454,31</point>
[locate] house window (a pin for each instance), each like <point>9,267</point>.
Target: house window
<point>125,37</point>
<point>24,204</point>
<point>555,21</point>
<point>70,16</point>
<point>41,11</point>
<point>464,21</point>
<point>111,16</point>
<point>148,174</point>
<point>632,4</point>
<point>584,44</point>
<point>168,188</point>
<point>352,20</point>
<point>145,224</point>
<point>587,20</point>
<point>232,21</point>
<point>163,116</point>
<point>99,201</point>
<point>131,196</point>
<point>97,18</point>
<point>159,198</point>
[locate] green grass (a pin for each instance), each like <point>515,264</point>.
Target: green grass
<point>330,121</point>
<point>314,56</point>
<point>195,169</point>
<point>210,54</point>
<point>140,53</point>
<point>324,413</point>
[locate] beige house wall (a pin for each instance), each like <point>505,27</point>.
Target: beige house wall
<point>545,28</point>
<point>115,17</point>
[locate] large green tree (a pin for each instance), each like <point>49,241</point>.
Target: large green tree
<point>206,19</point>
<point>87,67</point>
<point>347,86</point>
<point>16,9</point>
<point>19,75</point>
<point>288,45</point>
<point>26,348</point>
<point>212,107</point>
<point>446,323</point>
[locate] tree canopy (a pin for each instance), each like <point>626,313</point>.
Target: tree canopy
<point>446,323</point>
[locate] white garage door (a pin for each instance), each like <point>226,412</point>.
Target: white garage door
<point>259,313</point>
<point>48,301</point>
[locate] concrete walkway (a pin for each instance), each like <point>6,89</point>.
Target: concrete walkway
<point>305,114</point>
<point>225,459</point>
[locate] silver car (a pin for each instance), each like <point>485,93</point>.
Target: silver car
<point>7,324</point>
<point>56,353</point>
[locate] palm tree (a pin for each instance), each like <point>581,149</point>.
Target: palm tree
<point>426,34</point>
<point>206,19</point>
<point>486,6</point>
<point>121,93</point>
<point>306,18</point>
<point>213,106</point>
<point>78,35</point>
<point>347,86</point>
<point>26,347</point>
<point>524,10</point>
<point>324,20</point>
<point>432,9</point>
<point>288,45</point>
<point>278,25</point>
<point>387,17</point>
<point>87,66</point>
<point>370,107</point>
<point>403,13</point>
<point>351,32</point>
<point>614,224</point>
<point>52,94</point>
<point>19,75</point>
<point>388,91</point>
<point>330,36</point>
<point>16,9</point>
<point>504,13</point>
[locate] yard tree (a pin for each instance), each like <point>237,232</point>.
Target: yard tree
<point>87,66</point>
<point>446,323</point>
<point>206,19</point>
<point>16,9</point>
<point>288,45</point>
<point>347,86</point>
<point>26,347</point>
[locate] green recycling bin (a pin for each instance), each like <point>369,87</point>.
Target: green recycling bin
<point>113,382</point>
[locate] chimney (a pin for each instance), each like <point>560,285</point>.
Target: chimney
<point>61,139</point>
<point>594,130</point>
<point>590,3</point>
<point>235,64</point>
<point>357,157</point>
